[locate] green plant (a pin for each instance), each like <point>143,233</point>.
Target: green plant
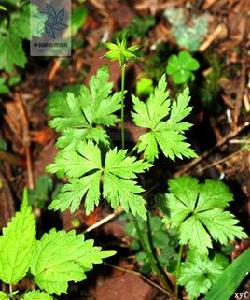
<point>93,169</point>
<point>60,255</point>
<point>198,211</point>
<point>163,241</point>
<point>227,283</point>
<point>14,28</point>
<point>198,273</point>
<point>180,67</point>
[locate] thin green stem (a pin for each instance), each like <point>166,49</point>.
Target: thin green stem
<point>178,270</point>
<point>123,73</point>
<point>10,291</point>
<point>149,254</point>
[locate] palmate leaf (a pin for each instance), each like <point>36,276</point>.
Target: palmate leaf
<point>83,167</point>
<point>168,135</point>
<point>60,257</point>
<point>16,245</point>
<point>198,212</point>
<point>36,295</point>
<point>81,116</point>
<point>199,272</point>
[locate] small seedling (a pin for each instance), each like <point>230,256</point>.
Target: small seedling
<point>180,67</point>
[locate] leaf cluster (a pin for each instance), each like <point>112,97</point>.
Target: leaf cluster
<point>88,176</point>
<point>84,114</point>
<point>180,67</point>
<point>54,260</point>
<point>163,241</point>
<point>163,119</point>
<point>198,212</point>
<point>199,272</point>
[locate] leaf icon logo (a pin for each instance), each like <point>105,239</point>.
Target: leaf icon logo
<point>54,20</point>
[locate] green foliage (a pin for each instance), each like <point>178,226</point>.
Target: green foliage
<point>227,283</point>
<point>198,212</point>
<point>82,116</point>
<point>13,32</point>
<point>78,18</point>
<point>36,295</point>
<point>3,86</point>
<point>168,135</point>
<point>138,27</point>
<point>162,240</point>
<point>85,172</point>
<point>16,245</point>
<point>199,272</point>
<point>120,51</point>
<point>180,67</point>
<point>56,259</point>
<point>3,296</point>
<point>144,86</point>
<point>189,31</point>
<point>39,196</point>
<point>60,257</point>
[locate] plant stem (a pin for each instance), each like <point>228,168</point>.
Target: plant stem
<point>10,290</point>
<point>178,270</point>
<point>150,256</point>
<point>123,73</point>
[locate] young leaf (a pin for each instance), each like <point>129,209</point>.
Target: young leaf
<point>198,273</point>
<point>16,244</point>
<point>81,116</point>
<point>120,51</point>
<point>227,283</point>
<point>36,295</point>
<point>180,67</point>
<point>198,211</point>
<point>60,257</point>
<point>84,169</point>
<point>166,135</point>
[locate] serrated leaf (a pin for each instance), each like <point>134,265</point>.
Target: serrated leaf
<point>60,257</point>
<point>168,135</point>
<point>83,167</point>
<point>36,295</point>
<point>16,245</point>
<point>81,115</point>
<point>198,274</point>
<point>198,212</point>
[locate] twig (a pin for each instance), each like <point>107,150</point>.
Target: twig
<point>204,155</point>
<point>25,139</point>
<point>220,161</point>
<point>105,220</point>
<point>140,275</point>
